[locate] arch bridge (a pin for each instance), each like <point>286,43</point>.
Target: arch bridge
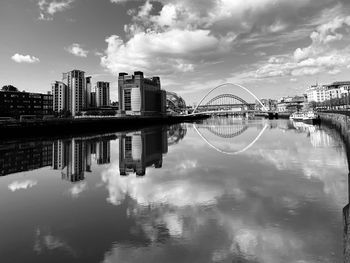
<point>227,103</point>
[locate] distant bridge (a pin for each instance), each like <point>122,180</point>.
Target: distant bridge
<point>227,103</point>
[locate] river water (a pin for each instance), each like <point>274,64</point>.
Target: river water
<point>225,190</point>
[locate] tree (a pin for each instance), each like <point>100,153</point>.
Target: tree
<point>313,104</point>
<point>9,88</point>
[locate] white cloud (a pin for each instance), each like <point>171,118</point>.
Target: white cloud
<point>77,50</point>
<point>45,241</point>
<point>322,55</point>
<point>181,36</point>
<point>24,58</point>
<point>22,185</point>
<point>77,189</point>
<point>49,8</point>
<point>162,52</point>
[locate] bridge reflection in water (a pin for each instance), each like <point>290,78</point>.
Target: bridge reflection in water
<point>229,128</point>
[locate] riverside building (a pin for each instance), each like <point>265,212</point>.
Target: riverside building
<point>316,93</point>
<point>140,96</point>
<point>75,81</point>
<point>102,94</point>
<point>16,104</point>
<point>60,93</point>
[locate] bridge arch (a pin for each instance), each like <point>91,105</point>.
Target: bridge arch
<point>227,96</point>
<point>231,153</point>
<point>227,84</point>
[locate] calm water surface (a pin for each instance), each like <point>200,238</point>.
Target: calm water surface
<point>222,191</point>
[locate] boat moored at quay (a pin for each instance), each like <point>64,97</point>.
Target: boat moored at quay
<point>309,117</point>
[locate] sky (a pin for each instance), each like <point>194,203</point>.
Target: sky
<point>274,48</point>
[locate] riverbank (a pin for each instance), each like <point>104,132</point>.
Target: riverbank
<point>71,126</point>
<point>339,121</point>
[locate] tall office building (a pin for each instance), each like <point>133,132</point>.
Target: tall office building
<point>102,94</point>
<point>60,96</point>
<point>88,92</point>
<point>76,83</point>
<point>93,99</point>
<point>140,96</point>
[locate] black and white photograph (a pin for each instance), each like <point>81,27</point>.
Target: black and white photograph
<point>174,131</point>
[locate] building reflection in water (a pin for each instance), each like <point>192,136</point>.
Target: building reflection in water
<point>18,157</point>
<point>176,133</point>
<point>73,156</point>
<point>141,149</point>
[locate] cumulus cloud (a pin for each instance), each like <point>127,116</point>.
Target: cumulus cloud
<point>161,52</point>
<point>48,7</point>
<point>22,185</point>
<point>24,58</point>
<point>182,36</point>
<point>77,50</point>
<point>77,189</point>
<point>322,55</point>
<point>45,241</point>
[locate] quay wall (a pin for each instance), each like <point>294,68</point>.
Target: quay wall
<point>341,123</point>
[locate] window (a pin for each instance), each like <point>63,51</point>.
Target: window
<point>127,99</point>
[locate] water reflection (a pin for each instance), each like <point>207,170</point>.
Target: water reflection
<point>229,128</point>
<point>141,149</point>
<point>18,156</point>
<point>162,194</point>
<point>73,156</point>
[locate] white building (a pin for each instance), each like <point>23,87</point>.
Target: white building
<point>317,93</point>
<point>338,90</point>
<point>60,93</point>
<point>75,81</point>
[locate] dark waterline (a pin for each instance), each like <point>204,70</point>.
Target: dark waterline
<point>225,190</point>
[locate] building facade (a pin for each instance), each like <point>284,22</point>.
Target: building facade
<point>88,86</point>
<point>93,99</point>
<point>76,83</point>
<point>102,94</point>
<point>60,93</point>
<point>291,104</point>
<point>322,93</point>
<point>269,104</point>
<point>317,93</point>
<point>140,96</point>
<point>15,104</point>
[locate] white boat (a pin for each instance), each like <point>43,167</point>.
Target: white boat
<point>297,116</point>
<point>309,117</point>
